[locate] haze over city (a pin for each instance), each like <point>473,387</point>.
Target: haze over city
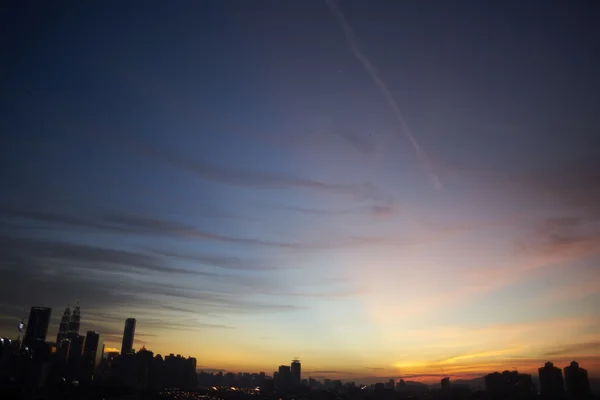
<point>381,188</point>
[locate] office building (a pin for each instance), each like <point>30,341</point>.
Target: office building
<point>128,335</point>
<point>445,383</point>
<point>92,352</point>
<point>62,349</point>
<point>37,326</point>
<point>551,381</point>
<point>296,373</point>
<point>284,379</point>
<point>508,384</point>
<point>74,355</point>
<point>577,382</point>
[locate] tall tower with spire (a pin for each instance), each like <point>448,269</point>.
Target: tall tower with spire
<point>63,328</point>
<point>74,322</point>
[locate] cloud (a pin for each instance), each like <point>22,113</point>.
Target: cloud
<point>194,326</point>
<point>228,301</point>
<point>330,293</point>
<point>232,175</point>
<point>324,371</point>
<point>233,264</point>
<point>563,238</point>
<point>140,224</point>
<point>247,178</point>
<point>49,273</point>
<point>111,350</point>
<point>556,211</point>
<point>575,349</point>
<point>363,143</point>
<point>150,225</point>
<point>83,255</point>
<point>589,284</point>
<point>385,209</point>
<point>483,354</point>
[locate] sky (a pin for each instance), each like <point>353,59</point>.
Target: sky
<point>382,188</point>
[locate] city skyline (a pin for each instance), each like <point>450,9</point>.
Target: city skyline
<point>344,375</point>
<point>254,182</point>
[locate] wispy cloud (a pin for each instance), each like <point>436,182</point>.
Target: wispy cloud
<point>507,337</point>
<point>362,142</point>
<point>140,224</point>
<point>325,371</point>
<point>226,262</point>
<point>49,273</point>
<point>249,178</point>
<point>483,354</point>
<point>588,285</point>
<point>575,349</point>
<point>382,209</point>
<point>79,254</point>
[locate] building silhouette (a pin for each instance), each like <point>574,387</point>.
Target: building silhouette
<point>62,349</point>
<point>284,379</point>
<point>93,351</point>
<point>76,342</point>
<point>551,381</point>
<point>508,384</point>
<point>63,328</point>
<point>445,383</point>
<point>128,335</point>
<point>296,373</point>
<point>37,326</point>
<point>577,382</point>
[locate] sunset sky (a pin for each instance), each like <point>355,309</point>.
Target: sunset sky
<point>234,175</point>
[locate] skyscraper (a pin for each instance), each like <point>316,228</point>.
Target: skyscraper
<point>63,328</point>
<point>551,381</point>
<point>92,352</point>
<point>75,319</point>
<point>75,352</point>
<point>508,385</point>
<point>37,326</point>
<point>284,378</point>
<point>577,382</point>
<point>296,371</point>
<point>128,334</point>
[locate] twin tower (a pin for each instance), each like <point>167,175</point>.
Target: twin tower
<point>69,327</point>
<point>69,323</point>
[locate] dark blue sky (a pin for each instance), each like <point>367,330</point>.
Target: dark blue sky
<point>233,162</point>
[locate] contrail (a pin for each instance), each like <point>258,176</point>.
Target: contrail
<point>353,44</point>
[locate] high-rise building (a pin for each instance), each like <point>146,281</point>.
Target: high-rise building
<point>508,384</point>
<point>445,383</point>
<point>284,379</point>
<point>551,381</point>
<point>63,328</point>
<point>75,319</point>
<point>92,352</point>
<point>62,349</point>
<point>75,351</point>
<point>296,371</point>
<point>37,326</point>
<point>128,334</point>
<point>577,382</point>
